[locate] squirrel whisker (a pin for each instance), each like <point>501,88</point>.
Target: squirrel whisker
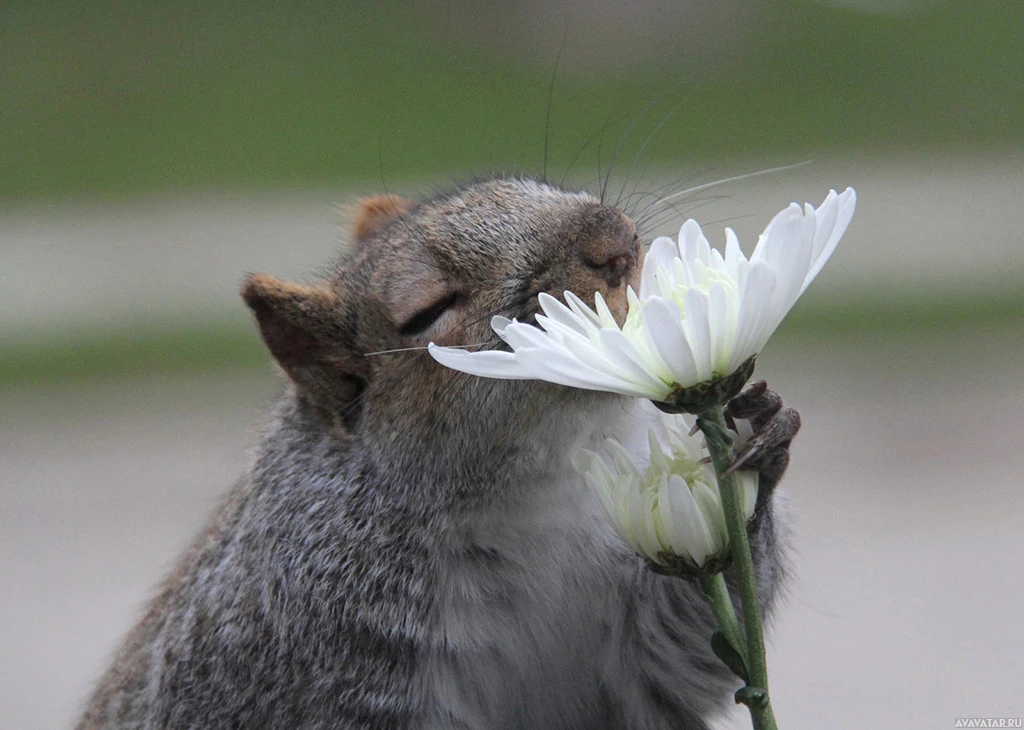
<point>419,347</point>
<point>724,180</point>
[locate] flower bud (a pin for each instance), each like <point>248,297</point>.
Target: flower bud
<point>668,510</point>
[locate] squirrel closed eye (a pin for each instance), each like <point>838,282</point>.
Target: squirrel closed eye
<point>423,320</point>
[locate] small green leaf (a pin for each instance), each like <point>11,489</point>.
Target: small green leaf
<point>753,697</point>
<point>728,654</point>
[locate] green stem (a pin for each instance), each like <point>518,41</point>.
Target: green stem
<point>712,424</point>
<point>717,595</point>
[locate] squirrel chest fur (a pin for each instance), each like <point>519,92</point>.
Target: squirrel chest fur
<point>411,547</point>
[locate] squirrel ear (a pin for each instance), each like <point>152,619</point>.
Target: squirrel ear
<point>302,327</point>
<point>293,319</point>
<point>375,213</point>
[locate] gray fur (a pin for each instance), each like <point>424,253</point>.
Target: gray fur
<point>411,548</point>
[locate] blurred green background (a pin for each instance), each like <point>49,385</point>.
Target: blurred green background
<point>135,98</point>
<point>108,103</point>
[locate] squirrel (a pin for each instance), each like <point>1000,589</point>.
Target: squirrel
<point>411,547</point>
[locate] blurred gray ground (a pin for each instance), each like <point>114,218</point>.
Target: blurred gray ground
<point>905,480</point>
<point>920,225</point>
<point>905,611</point>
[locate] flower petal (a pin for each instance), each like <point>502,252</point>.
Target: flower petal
<point>562,369</point>
<point>831,222</point>
<point>733,254</point>
<point>666,333</point>
<point>622,459</point>
<point>661,252</point>
<point>580,307</point>
<point>630,363</point>
<point>749,484</point>
<point>698,333</point>
<point>710,506</point>
<point>693,246</point>
<point>751,334</point>
<point>641,510</point>
<point>488,364</point>
<point>597,475</point>
<point>693,531</point>
<point>499,323</point>
<point>521,335</point>
<point>722,331</point>
<point>562,314</point>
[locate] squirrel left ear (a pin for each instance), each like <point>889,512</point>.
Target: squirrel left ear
<point>306,331</point>
<point>376,212</point>
<point>294,320</point>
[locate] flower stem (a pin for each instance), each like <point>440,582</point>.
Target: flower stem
<point>717,595</point>
<point>712,424</point>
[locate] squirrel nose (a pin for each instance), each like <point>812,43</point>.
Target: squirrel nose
<point>613,253</point>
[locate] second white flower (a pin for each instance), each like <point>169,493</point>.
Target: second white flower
<point>669,510</point>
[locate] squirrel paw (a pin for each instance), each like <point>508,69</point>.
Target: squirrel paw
<point>774,425</point>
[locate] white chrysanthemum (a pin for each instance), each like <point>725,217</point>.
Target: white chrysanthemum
<point>671,511</point>
<point>699,315</point>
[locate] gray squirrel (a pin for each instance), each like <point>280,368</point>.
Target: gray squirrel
<point>411,547</point>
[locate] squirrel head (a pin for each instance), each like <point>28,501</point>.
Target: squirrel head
<point>437,271</point>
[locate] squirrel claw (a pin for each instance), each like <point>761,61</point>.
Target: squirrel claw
<point>755,402</point>
<point>774,425</point>
<point>740,460</point>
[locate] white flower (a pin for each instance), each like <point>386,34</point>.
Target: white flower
<point>671,511</point>
<point>699,315</point>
